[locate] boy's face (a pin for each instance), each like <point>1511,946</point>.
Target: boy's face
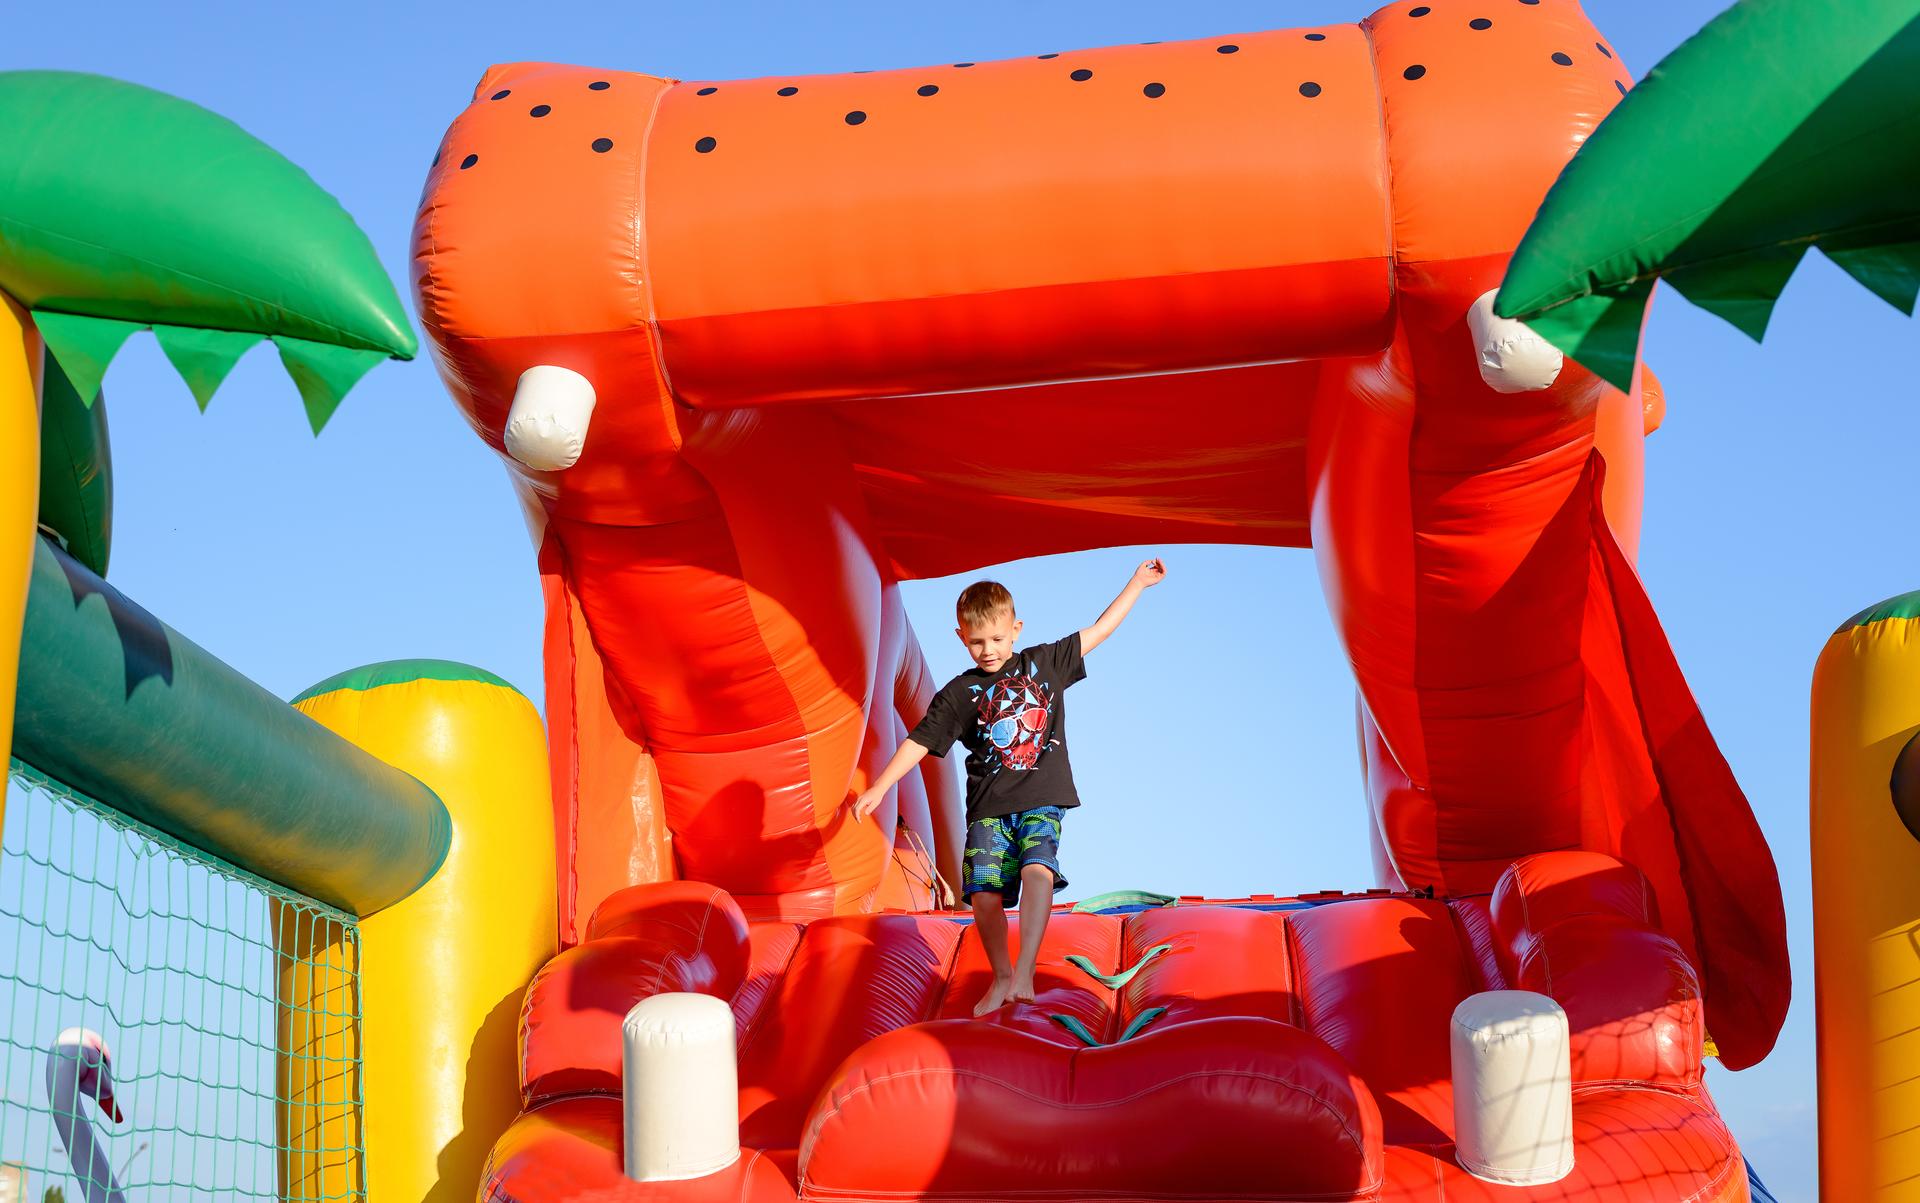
<point>991,643</point>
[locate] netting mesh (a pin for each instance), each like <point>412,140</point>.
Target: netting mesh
<point>221,1011</point>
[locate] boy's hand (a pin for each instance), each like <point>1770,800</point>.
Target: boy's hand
<point>1150,573</point>
<point>867,803</point>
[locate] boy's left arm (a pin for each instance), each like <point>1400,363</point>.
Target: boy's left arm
<point>1149,574</point>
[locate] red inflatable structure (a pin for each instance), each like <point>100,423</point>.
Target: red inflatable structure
<point>1264,1049</point>
<point>758,350</point>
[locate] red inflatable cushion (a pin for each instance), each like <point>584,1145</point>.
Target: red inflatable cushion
<point>570,1039</point>
<point>571,1150</point>
<point>1214,1109</point>
<point>1631,996</point>
<point>686,919</point>
<point>1539,891</point>
<point>643,940</point>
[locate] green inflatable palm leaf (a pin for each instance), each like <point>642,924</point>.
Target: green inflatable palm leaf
<point>123,208</point>
<point>1782,125</point>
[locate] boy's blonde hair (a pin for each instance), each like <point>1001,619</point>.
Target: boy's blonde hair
<point>981,602</point>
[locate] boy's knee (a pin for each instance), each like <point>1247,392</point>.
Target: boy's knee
<point>987,900</point>
<point>1036,875</point>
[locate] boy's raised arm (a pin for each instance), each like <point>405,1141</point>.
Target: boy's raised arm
<point>911,753</point>
<point>1150,573</point>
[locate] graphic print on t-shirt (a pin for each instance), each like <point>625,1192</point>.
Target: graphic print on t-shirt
<point>1014,724</point>
<point>1017,713</point>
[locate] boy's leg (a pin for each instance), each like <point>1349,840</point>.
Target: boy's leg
<point>991,866</point>
<point>1036,905</point>
<point>1037,833</point>
<point>990,924</point>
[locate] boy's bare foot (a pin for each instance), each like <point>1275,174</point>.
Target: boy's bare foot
<point>1022,989</point>
<point>995,998</point>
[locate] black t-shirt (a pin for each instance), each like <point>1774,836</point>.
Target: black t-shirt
<point>1014,723</point>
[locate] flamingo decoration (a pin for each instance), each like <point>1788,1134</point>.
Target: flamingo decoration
<point>79,1066</point>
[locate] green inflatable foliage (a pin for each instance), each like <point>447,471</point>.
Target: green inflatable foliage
<point>1782,125</point>
<point>76,470</point>
<point>123,208</point>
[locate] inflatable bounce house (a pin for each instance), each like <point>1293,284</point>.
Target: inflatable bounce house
<point>752,351</point>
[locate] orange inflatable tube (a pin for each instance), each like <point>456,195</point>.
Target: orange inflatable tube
<point>817,335</point>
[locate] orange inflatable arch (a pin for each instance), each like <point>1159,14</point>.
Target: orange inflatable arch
<point>755,351</point>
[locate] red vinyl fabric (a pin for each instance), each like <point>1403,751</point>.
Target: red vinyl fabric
<point>1218,1108</point>
<point>1273,1050</point>
<point>570,1149</point>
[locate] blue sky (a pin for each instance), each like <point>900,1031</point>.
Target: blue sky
<point>1774,493</point>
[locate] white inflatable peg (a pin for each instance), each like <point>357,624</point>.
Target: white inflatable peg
<point>1512,1088</point>
<point>680,1088</point>
<point>1512,358</point>
<point>547,425</point>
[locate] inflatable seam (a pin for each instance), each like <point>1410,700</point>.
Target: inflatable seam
<point>1290,950</point>
<point>746,1174</point>
<point>643,260</point>
<point>570,914</point>
<point>1386,169</point>
<point>772,989</point>
<point>946,980</point>
<point>755,1026</point>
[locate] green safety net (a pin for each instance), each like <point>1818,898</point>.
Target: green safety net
<point>1781,126</point>
<point>228,1007</point>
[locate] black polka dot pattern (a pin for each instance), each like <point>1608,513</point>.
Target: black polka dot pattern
<point>603,145</point>
<point>963,64</point>
<point>1154,91</point>
<point>1563,59</point>
<point>1422,11</point>
<point>1602,48</point>
<point>706,91</point>
<point>502,94</point>
<point>1621,86</point>
<point>1479,23</point>
<point>704,145</point>
<point>1081,76</point>
<point>789,90</point>
<point>1309,89</point>
<point>1529,1</point>
<point>928,89</point>
<point>469,161</point>
<point>1226,48</point>
<point>1316,37</point>
<point>856,117</point>
<point>540,110</point>
<point>599,85</point>
<point>1413,72</point>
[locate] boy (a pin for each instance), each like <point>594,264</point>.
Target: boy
<point>1009,712</point>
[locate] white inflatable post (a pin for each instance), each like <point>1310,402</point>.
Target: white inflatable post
<point>681,1088</point>
<point>1512,1088</point>
<point>1511,357</point>
<point>547,424</point>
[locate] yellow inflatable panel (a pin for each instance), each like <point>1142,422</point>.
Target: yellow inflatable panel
<point>19,495</point>
<point>1866,907</point>
<point>442,972</point>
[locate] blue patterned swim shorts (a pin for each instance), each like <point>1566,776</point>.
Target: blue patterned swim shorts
<point>998,846</point>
